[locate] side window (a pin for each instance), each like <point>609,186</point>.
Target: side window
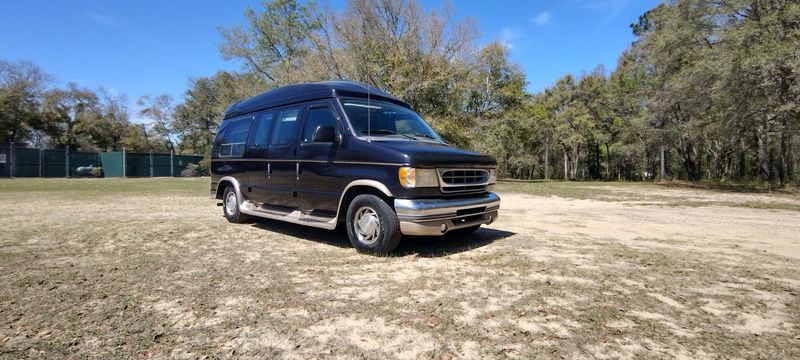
<point>260,138</point>
<point>286,122</point>
<point>235,137</point>
<point>318,116</point>
<point>218,138</point>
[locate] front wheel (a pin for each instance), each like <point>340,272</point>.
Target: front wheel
<point>372,225</point>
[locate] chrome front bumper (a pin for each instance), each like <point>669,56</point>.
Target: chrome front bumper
<point>427,217</point>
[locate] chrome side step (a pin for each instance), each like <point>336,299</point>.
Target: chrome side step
<point>293,216</point>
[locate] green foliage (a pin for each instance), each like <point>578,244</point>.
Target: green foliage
<point>708,91</point>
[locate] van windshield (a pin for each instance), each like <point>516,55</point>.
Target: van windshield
<point>384,120</point>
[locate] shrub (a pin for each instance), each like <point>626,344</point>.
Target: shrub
<point>96,171</point>
<point>191,170</point>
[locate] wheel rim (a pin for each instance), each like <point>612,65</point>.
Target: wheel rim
<point>231,204</point>
<point>367,225</point>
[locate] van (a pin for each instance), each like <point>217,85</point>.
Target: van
<point>341,153</point>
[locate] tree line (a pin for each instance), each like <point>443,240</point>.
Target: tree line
<point>34,113</point>
<point>707,91</point>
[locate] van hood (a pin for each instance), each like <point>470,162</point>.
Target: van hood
<point>426,154</point>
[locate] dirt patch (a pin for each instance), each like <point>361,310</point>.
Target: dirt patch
<point>117,274</point>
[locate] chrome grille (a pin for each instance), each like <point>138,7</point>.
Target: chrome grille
<point>463,180</point>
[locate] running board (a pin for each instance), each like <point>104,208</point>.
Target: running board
<point>293,216</point>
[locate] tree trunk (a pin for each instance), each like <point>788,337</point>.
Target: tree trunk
<point>608,163</point>
<point>576,162</point>
<point>566,163</point>
<point>783,153</point>
<point>547,159</point>
<point>763,151</point>
<point>663,163</point>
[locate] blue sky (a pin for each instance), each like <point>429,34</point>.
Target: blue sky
<point>144,46</point>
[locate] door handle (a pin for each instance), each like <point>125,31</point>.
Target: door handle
<point>269,170</point>
<point>297,171</point>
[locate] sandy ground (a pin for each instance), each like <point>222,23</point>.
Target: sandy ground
<point>160,275</point>
<point>712,228</point>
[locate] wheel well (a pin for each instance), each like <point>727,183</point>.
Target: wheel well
<point>360,190</point>
<point>221,188</point>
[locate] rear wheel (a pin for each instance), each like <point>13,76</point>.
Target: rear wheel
<point>372,225</point>
<point>230,206</point>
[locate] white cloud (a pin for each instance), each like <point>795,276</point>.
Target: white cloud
<point>105,20</point>
<point>542,19</point>
<point>507,35</point>
<point>611,8</point>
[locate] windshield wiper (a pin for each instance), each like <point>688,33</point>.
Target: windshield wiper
<point>386,132</point>
<point>426,136</point>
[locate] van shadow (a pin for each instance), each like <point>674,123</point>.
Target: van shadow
<point>410,245</point>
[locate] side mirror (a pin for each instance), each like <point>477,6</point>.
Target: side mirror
<point>324,134</point>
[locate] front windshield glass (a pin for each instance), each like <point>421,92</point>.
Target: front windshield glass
<point>384,120</point>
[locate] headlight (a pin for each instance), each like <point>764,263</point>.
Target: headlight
<point>417,178</point>
<point>492,176</point>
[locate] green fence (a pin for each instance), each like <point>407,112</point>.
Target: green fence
<point>16,161</point>
<point>145,165</point>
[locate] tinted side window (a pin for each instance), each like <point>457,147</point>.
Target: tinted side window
<point>286,122</point>
<point>260,138</point>
<point>235,137</point>
<point>318,116</point>
<point>218,138</point>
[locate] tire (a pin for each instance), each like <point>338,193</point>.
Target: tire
<point>372,225</point>
<point>230,206</point>
<point>464,231</point>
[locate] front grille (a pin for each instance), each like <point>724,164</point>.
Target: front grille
<point>465,177</point>
<point>463,180</point>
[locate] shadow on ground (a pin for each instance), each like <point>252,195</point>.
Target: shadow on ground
<point>409,245</point>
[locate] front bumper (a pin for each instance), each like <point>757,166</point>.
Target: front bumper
<point>425,217</point>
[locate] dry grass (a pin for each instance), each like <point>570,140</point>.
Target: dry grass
<point>149,268</point>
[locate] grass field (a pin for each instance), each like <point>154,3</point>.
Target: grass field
<point>150,268</point>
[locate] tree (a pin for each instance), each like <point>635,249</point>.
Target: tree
<point>64,112</point>
<point>160,111</point>
<point>275,41</point>
<point>21,87</point>
<point>498,85</point>
<point>109,127</point>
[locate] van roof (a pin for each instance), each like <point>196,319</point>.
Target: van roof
<point>292,94</point>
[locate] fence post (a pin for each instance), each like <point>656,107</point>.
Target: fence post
<point>123,162</point>
<point>66,161</point>
<point>151,163</point>
<point>11,161</point>
<point>171,165</point>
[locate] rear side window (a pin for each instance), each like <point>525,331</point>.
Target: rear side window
<point>261,132</point>
<point>318,116</point>
<point>235,137</point>
<point>284,128</point>
<point>219,137</point>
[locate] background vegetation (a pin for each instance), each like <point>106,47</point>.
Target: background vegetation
<point>708,91</point>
